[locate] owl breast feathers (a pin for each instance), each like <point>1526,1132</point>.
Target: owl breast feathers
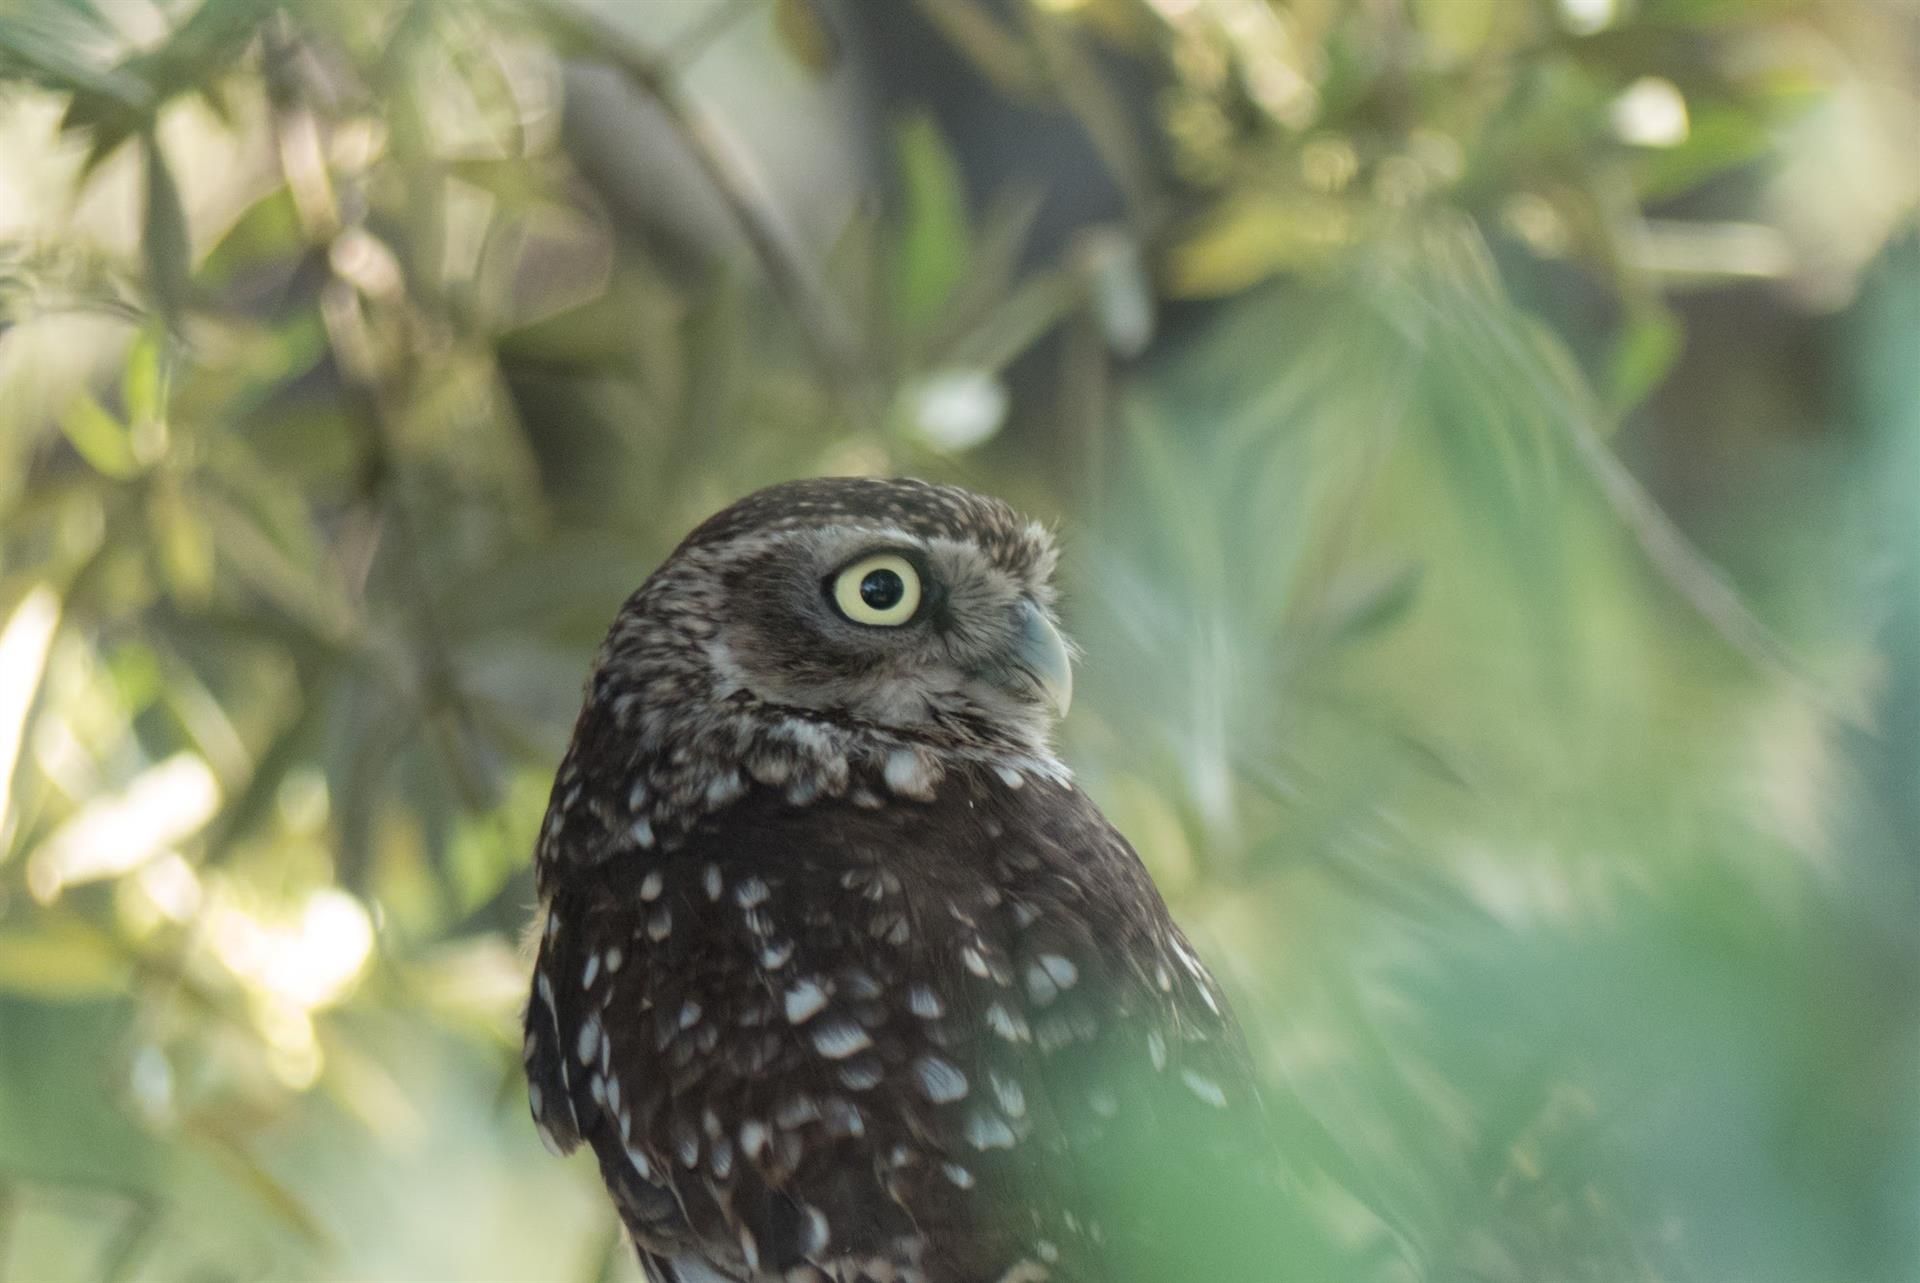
<point>840,976</point>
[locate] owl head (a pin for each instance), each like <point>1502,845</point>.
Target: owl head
<point>843,637</point>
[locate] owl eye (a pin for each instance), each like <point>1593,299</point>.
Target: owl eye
<point>882,590</point>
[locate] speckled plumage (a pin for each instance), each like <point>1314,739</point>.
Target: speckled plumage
<point>840,976</point>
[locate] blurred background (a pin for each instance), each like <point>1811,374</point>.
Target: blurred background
<point>1486,435</point>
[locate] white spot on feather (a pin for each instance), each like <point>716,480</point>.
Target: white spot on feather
<point>863,1074</point>
<point>652,885</point>
<point>1007,1090</point>
<point>805,1001</point>
<point>986,1130</point>
<point>818,1232</point>
<point>723,789</point>
<point>838,1039</point>
<point>1060,969</point>
<point>1010,1025</point>
<point>1205,1088</point>
<point>940,1080</point>
<point>589,1040</point>
<point>911,773</point>
<point>749,1249</point>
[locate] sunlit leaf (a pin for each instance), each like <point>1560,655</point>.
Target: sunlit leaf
<point>35,51</point>
<point>1249,238</point>
<point>102,440</point>
<point>61,957</point>
<point>1719,138</point>
<point>1458,28</point>
<point>140,383</point>
<point>266,233</point>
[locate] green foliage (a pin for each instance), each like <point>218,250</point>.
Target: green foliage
<point>1566,880</point>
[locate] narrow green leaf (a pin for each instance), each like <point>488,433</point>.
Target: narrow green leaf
<point>1641,358</point>
<point>32,52</point>
<point>61,957</point>
<point>1017,322</point>
<point>1361,606</point>
<point>511,179</point>
<point>268,230</point>
<point>140,382</point>
<point>102,440</point>
<point>806,34</point>
<point>164,238</point>
<point>222,1140</point>
<point>931,256</point>
<point>183,543</point>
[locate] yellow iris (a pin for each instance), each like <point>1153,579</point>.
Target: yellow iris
<point>882,590</point>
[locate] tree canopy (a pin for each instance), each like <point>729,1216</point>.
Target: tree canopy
<point>1486,439</point>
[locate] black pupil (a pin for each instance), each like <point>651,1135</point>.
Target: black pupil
<point>882,589</point>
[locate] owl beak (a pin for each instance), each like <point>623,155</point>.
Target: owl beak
<point>1041,658</point>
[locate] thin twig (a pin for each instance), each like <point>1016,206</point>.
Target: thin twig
<point>686,48</point>
<point>1684,567</point>
<point>370,383</point>
<point>1675,559</point>
<point>825,329</point>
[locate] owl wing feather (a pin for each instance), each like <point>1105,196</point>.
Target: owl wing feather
<point>950,1041</point>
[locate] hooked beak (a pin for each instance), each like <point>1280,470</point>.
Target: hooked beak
<point>1041,660</point>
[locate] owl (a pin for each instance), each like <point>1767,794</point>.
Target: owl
<point>840,976</point>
